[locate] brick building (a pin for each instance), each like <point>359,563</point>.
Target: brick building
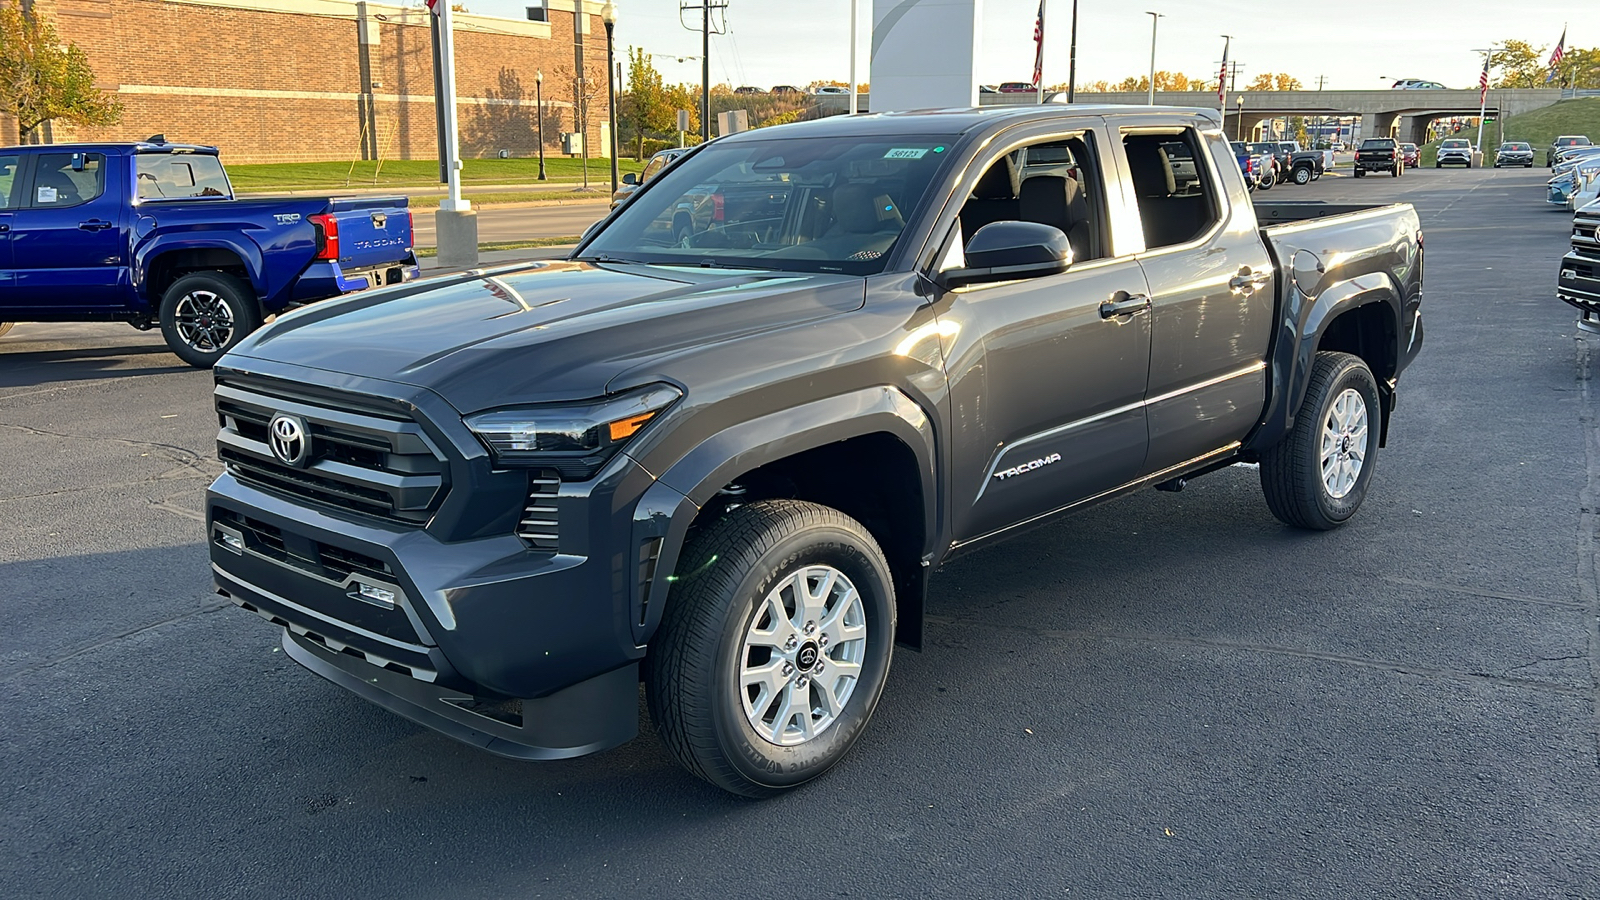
<point>301,80</point>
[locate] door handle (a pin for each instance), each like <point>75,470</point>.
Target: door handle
<point>1123,303</point>
<point>95,225</point>
<point>4,228</point>
<point>1248,282</point>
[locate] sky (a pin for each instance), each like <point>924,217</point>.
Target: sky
<point>1356,44</point>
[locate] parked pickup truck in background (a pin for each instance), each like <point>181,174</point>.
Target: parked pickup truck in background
<point>1579,282</point>
<point>727,462</point>
<point>1301,166</point>
<point>1379,155</point>
<point>150,233</point>
<point>1260,169</point>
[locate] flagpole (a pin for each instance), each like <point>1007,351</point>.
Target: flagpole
<point>1038,88</point>
<point>855,16</point>
<point>452,148</point>
<point>1483,98</point>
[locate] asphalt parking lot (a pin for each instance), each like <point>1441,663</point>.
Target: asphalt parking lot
<point>1171,695</point>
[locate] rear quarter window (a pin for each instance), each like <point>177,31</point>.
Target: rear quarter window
<point>164,176</point>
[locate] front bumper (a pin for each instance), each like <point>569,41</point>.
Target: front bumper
<point>530,653</point>
<point>1451,159</point>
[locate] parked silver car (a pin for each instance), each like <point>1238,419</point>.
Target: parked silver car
<point>1454,152</point>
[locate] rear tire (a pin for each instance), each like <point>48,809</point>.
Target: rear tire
<point>775,647</point>
<point>1361,173</point>
<point>1302,175</point>
<point>1317,476</point>
<point>206,314</point>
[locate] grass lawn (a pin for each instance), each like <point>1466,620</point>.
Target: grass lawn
<point>1538,128</point>
<point>415,173</point>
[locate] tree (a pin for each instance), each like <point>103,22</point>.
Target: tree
<point>1520,64</point>
<point>1274,81</point>
<point>42,81</point>
<point>646,108</point>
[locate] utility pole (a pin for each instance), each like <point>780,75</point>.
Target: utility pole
<point>705,7</point>
<point>1072,56</point>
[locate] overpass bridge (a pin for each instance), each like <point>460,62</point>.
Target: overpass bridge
<point>1406,113</point>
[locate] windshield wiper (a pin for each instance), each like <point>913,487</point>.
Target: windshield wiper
<point>608,258</point>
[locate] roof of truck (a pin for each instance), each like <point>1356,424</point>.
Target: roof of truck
<point>957,120</point>
<point>123,146</point>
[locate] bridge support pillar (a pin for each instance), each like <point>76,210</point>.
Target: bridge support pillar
<point>1378,124</point>
<point>1414,129</point>
<point>1231,126</point>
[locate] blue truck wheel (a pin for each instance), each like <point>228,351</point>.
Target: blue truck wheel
<point>205,314</point>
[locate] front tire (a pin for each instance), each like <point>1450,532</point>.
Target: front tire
<point>1317,476</point>
<point>206,314</point>
<point>775,647</point>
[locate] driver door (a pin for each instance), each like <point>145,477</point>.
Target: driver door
<point>1047,375</point>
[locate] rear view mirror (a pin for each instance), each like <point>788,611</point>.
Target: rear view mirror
<point>630,178</point>
<point>1007,251</point>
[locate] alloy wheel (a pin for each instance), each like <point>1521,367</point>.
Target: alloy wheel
<point>1344,443</point>
<point>204,321</point>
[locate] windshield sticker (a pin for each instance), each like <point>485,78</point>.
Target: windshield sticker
<point>46,195</point>
<point>906,153</point>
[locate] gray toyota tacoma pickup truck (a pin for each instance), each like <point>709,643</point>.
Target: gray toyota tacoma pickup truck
<point>721,448</point>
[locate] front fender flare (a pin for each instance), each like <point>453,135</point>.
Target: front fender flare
<point>667,509</point>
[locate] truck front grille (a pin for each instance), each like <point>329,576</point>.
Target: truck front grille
<point>540,527</point>
<point>1586,236</point>
<point>361,459</point>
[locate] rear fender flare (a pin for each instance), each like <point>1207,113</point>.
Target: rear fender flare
<point>147,255</point>
<point>1295,348</point>
<point>669,506</point>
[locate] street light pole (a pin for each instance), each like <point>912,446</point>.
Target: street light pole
<point>608,16</point>
<point>1238,122</point>
<point>538,88</point>
<point>1155,18</point>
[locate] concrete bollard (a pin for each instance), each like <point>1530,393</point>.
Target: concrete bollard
<point>458,238</point>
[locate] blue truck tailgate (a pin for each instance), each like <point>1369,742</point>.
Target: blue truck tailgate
<point>372,232</point>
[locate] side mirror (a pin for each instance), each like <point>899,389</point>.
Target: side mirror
<point>630,178</point>
<point>1008,251</point>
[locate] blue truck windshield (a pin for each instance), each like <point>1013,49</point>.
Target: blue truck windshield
<point>812,205</point>
<point>182,176</point>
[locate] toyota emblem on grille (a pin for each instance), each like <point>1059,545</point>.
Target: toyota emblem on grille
<point>290,442</point>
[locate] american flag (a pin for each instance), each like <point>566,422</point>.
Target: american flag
<point>1038,52</point>
<point>1222,76</point>
<point>1556,56</point>
<point>433,6</point>
<point>1483,81</point>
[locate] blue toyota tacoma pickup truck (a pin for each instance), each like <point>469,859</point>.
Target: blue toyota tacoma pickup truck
<point>150,234</point>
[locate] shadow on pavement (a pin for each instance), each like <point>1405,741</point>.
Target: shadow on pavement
<point>23,368</point>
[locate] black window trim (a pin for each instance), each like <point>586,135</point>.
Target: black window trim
<point>32,196</point>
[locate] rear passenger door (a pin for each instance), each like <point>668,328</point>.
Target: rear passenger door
<point>67,240</point>
<point>1046,375</point>
<point>1211,291</point>
<point>10,190</point>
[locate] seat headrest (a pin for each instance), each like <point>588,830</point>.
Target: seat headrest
<point>1000,182</point>
<point>864,209</point>
<point>1053,200</point>
<point>1151,170</point>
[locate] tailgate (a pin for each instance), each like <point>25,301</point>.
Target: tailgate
<point>377,233</point>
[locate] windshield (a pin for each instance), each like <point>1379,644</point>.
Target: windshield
<point>1515,147</point>
<point>1455,145</point>
<point>181,176</point>
<point>1377,144</point>
<point>802,204</point>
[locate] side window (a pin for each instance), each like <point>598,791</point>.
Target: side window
<point>165,176</point>
<point>1053,182</point>
<point>1173,186</point>
<point>57,182</point>
<point>652,168</point>
<point>9,165</point>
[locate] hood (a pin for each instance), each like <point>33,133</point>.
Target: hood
<point>544,331</point>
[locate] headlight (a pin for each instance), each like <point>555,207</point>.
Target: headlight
<point>576,438</point>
